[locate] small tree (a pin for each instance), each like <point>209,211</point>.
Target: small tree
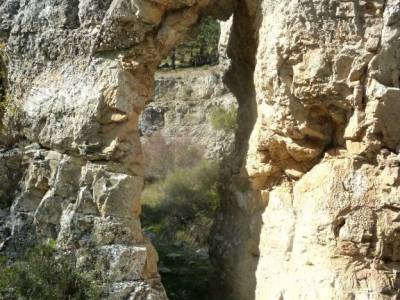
<point>222,119</point>
<point>207,42</point>
<point>201,50</point>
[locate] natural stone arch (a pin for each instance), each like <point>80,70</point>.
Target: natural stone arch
<point>80,102</point>
<point>86,73</point>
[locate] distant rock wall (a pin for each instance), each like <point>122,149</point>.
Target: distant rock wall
<point>182,107</point>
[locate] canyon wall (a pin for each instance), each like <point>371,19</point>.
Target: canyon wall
<point>184,107</point>
<point>311,191</point>
<point>319,219</point>
<point>324,151</point>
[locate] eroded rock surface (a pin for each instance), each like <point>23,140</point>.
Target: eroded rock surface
<point>324,151</point>
<point>80,73</point>
<point>311,190</point>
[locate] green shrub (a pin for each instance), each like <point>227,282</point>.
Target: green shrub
<point>8,105</point>
<point>5,201</point>
<point>178,210</point>
<point>182,206</point>
<point>41,274</point>
<point>3,77</point>
<point>6,102</point>
<point>225,120</point>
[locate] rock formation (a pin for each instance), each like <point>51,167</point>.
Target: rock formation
<point>79,75</point>
<point>311,206</point>
<point>183,105</point>
<point>323,155</point>
<point>324,150</point>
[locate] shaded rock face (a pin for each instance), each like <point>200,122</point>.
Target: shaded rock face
<point>311,190</point>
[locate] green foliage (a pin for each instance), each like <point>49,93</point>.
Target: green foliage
<point>182,206</point>
<point>3,52</point>
<point>5,201</point>
<point>6,103</point>
<point>222,119</point>
<point>190,276</point>
<point>178,211</point>
<point>41,274</point>
<point>3,75</point>
<point>3,59</point>
<point>201,50</point>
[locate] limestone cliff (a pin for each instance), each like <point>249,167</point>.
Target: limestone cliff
<point>311,190</point>
<point>79,75</point>
<point>319,220</point>
<point>324,150</point>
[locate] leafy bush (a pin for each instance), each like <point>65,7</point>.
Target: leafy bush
<point>3,77</point>
<point>41,274</point>
<point>182,206</point>
<point>5,201</point>
<point>222,119</point>
<point>178,211</point>
<point>6,102</point>
<point>8,105</point>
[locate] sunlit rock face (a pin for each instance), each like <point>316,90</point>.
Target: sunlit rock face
<point>311,191</point>
<point>324,150</point>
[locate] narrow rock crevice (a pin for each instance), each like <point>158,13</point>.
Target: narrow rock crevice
<point>234,239</point>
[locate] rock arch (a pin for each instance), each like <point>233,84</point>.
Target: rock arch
<point>87,72</point>
<point>311,207</point>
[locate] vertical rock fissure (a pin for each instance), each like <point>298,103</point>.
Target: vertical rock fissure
<point>234,239</point>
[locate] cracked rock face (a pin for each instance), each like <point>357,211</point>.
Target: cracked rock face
<point>79,74</point>
<point>311,206</point>
<point>323,153</point>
